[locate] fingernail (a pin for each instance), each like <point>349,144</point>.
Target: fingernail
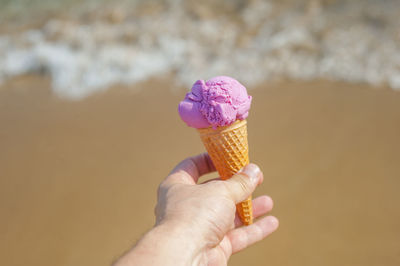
<point>253,172</point>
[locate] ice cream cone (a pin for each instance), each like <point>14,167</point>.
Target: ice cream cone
<point>229,151</point>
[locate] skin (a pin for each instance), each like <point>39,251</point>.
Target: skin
<point>196,224</point>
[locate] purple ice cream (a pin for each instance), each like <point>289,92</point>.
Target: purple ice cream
<point>217,102</point>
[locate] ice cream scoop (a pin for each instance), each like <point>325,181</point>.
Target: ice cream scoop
<point>220,101</point>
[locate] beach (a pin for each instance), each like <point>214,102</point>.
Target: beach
<point>78,179</point>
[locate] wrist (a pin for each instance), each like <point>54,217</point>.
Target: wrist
<point>169,243</point>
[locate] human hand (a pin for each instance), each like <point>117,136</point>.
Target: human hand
<point>196,224</point>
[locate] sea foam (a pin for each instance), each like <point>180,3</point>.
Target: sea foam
<point>264,41</point>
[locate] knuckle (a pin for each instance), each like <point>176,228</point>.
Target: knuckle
<point>162,190</point>
<point>163,186</point>
<point>155,210</point>
<point>243,183</point>
<point>159,189</point>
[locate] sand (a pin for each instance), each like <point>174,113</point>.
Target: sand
<point>78,179</point>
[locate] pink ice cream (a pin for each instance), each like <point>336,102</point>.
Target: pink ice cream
<point>219,101</point>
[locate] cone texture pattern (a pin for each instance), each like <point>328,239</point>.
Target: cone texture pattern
<point>229,151</point>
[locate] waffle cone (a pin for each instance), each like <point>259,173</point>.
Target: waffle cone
<point>229,151</point>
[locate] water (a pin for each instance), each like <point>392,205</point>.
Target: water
<point>87,49</point>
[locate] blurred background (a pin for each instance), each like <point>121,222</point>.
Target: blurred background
<point>89,125</point>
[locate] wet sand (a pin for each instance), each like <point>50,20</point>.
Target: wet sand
<point>78,179</point>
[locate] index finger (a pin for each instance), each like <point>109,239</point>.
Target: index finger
<point>191,169</point>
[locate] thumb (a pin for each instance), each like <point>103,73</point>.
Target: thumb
<point>242,184</point>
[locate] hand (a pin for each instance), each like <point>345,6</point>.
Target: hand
<point>196,224</point>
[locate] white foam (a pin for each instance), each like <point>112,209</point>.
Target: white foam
<point>274,42</point>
